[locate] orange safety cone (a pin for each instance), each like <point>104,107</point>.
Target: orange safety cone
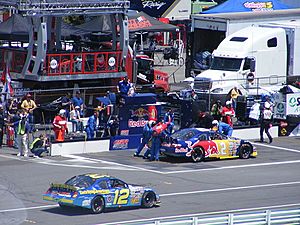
<point>60,135</point>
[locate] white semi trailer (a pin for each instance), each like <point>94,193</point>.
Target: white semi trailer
<point>266,54</point>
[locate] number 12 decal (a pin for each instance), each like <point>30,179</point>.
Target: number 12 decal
<point>121,197</point>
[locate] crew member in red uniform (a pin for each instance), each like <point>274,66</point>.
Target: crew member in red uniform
<point>227,113</point>
<point>60,126</point>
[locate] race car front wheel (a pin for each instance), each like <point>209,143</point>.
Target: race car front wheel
<point>197,154</point>
<point>245,151</point>
<point>98,204</point>
<point>148,199</point>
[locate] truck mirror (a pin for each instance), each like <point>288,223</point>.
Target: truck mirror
<point>252,65</point>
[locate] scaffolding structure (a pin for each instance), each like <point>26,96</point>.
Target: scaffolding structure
<point>65,7</point>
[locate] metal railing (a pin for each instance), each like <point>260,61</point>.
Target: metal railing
<point>266,217</point>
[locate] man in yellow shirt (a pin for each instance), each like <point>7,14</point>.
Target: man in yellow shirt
<point>29,106</point>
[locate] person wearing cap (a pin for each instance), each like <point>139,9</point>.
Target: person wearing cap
<point>222,128</point>
<point>77,101</point>
<point>266,117</point>
<point>216,110</point>
<point>29,105</point>
<point>60,126</point>
<point>23,129</point>
<point>75,118</point>
<point>227,113</point>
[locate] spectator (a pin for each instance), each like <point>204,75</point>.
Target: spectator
<point>113,126</point>
<point>222,128</point>
<point>29,105</point>
<point>66,104</point>
<point>266,117</point>
<point>60,126</point>
<point>13,107</point>
<point>216,110</point>
<point>92,125</point>
<point>77,101</point>
<point>227,113</point>
<point>193,96</point>
<point>234,93</point>
<point>23,129</point>
<point>39,146</point>
<point>2,120</point>
<point>13,120</point>
<point>75,118</point>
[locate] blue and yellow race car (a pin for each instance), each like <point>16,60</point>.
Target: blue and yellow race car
<point>98,192</point>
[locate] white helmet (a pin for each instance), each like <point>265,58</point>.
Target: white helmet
<point>62,112</point>
<point>267,105</point>
<point>215,122</point>
<point>228,102</point>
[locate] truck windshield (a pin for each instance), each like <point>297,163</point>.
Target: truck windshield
<point>228,64</point>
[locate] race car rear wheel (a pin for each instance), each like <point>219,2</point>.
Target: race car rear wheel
<point>148,199</point>
<point>98,204</point>
<point>245,151</point>
<point>197,154</point>
<point>63,206</point>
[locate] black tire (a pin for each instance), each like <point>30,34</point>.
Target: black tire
<point>63,206</point>
<point>245,151</point>
<point>148,199</point>
<point>98,204</point>
<point>198,154</point>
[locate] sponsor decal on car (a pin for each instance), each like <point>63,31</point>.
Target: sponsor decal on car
<point>93,192</point>
<point>181,150</point>
<point>86,202</point>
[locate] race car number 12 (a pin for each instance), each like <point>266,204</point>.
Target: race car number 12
<point>121,197</point>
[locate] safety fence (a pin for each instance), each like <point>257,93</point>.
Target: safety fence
<point>267,217</point>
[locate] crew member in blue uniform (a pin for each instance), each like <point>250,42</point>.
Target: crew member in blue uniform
<point>222,128</point>
<point>169,119</point>
<point>92,125</point>
<point>147,132</point>
<point>124,86</point>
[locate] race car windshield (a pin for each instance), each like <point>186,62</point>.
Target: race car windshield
<point>80,181</point>
<point>184,134</point>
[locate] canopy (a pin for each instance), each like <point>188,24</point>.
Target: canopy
<point>100,23</point>
<point>15,28</point>
<point>231,6</point>
<point>140,21</point>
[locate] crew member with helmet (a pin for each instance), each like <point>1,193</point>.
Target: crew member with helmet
<point>60,126</point>
<point>222,128</point>
<point>147,132</point>
<point>266,117</point>
<point>227,113</point>
<point>169,119</point>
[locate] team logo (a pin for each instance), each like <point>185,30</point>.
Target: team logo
<point>120,144</point>
<point>140,112</point>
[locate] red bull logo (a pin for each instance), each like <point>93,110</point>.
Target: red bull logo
<point>140,113</point>
<point>120,144</point>
<point>139,123</point>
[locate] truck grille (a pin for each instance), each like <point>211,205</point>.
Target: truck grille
<point>201,83</point>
